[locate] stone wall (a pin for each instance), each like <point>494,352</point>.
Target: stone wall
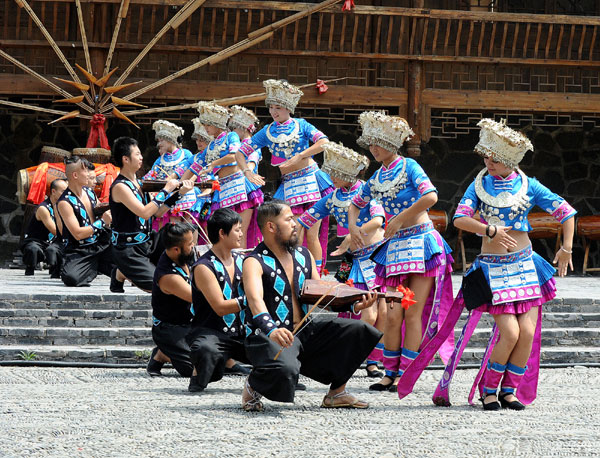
<point>566,159</point>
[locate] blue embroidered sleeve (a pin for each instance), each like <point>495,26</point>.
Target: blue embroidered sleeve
<point>468,204</point>
<point>362,198</point>
<point>258,140</point>
<point>550,202</point>
<point>309,131</point>
<point>419,178</point>
<point>318,211</point>
<point>233,144</point>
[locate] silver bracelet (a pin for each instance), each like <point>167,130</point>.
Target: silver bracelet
<point>566,251</point>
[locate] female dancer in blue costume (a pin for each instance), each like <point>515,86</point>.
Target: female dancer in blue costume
<point>518,281</point>
<point>414,253</point>
<point>344,165</point>
<point>171,155</point>
<point>243,122</point>
<point>289,140</point>
<point>236,192</point>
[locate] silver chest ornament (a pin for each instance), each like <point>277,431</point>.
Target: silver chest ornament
<point>491,205</point>
<point>286,142</point>
<point>214,153</point>
<point>388,189</point>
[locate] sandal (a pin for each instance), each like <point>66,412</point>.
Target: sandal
<point>253,404</point>
<point>343,400</point>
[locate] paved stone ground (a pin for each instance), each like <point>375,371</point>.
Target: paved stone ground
<point>122,412</point>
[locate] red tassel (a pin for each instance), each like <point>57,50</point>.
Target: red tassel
<point>348,5</point>
<point>350,282</point>
<point>408,298</point>
<point>321,87</point>
<point>97,133</point>
<point>324,271</point>
<point>216,186</point>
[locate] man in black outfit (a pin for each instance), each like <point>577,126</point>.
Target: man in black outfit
<point>171,300</point>
<point>132,211</point>
<point>40,241</point>
<point>326,349</point>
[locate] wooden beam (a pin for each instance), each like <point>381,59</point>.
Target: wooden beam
<point>517,101</point>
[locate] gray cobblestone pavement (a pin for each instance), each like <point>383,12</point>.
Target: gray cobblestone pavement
<point>122,413</point>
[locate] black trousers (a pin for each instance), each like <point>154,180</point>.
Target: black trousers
<point>133,262</point>
<point>82,264</point>
<point>170,339</point>
<point>33,252</point>
<point>328,350</point>
<point>210,349</point>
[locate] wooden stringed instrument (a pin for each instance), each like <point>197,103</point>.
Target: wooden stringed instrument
<point>337,294</point>
<point>157,185</point>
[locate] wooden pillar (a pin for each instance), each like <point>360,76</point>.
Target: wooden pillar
<point>414,87</point>
<point>413,112</point>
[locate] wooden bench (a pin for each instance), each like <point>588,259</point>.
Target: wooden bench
<point>588,228</point>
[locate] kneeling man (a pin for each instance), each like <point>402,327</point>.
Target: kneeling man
<point>218,329</point>
<point>326,349</point>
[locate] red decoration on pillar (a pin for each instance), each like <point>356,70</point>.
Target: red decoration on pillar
<point>321,87</point>
<point>97,132</point>
<point>348,5</point>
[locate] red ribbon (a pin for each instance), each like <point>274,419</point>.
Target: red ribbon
<point>321,87</point>
<point>348,5</point>
<point>97,133</point>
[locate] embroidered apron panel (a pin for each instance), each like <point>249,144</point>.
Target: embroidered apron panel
<point>406,255</point>
<point>301,187</point>
<point>367,267</point>
<point>186,201</point>
<point>516,281</point>
<point>233,190</point>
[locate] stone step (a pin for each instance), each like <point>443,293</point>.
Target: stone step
<point>549,320</point>
<point>75,318</point>
<point>551,337</point>
<point>75,301</point>
<point>76,336</point>
<point>141,353</point>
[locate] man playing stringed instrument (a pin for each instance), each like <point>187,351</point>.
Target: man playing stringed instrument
<point>132,212</point>
<point>326,349</point>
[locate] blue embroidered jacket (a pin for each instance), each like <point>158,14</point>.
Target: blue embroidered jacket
<point>504,201</point>
<point>396,187</point>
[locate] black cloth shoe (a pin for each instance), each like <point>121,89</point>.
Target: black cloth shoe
<point>490,405</point>
<point>374,373</point>
<point>300,387</point>
<point>512,405</point>
<point>194,387</point>
<point>381,386</point>
<point>236,369</point>
<point>116,286</point>
<point>54,272</point>
<point>153,368</point>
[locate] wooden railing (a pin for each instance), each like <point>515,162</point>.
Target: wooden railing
<point>381,33</point>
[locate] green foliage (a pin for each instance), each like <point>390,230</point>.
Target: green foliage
<point>143,354</point>
<point>26,355</point>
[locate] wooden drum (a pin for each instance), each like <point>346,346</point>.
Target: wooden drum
<point>95,155</point>
<point>589,227</point>
<point>439,219</point>
<point>52,154</point>
<point>543,226</point>
<point>25,177</point>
